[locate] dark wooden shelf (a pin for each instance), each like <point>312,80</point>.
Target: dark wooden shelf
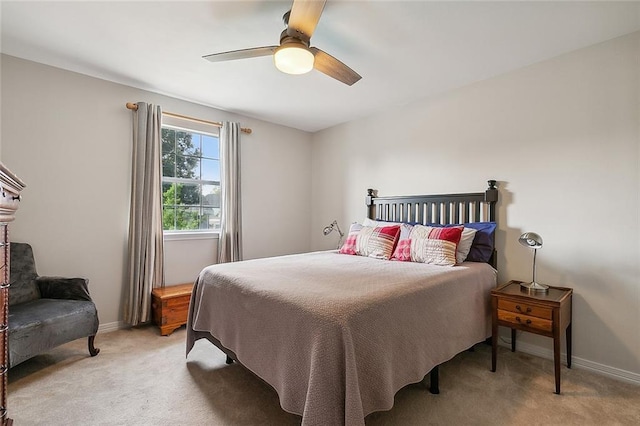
<point>10,188</point>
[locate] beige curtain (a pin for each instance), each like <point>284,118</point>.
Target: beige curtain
<point>145,258</point>
<point>230,240</point>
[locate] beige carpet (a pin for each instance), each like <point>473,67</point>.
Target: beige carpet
<point>142,378</point>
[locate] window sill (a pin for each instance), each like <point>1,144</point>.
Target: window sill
<point>190,235</point>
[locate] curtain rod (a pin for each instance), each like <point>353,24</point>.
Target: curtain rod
<point>133,106</point>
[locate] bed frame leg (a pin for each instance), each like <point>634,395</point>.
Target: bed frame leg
<point>434,387</point>
<point>229,360</point>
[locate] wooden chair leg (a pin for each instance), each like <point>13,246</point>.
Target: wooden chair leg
<point>93,351</point>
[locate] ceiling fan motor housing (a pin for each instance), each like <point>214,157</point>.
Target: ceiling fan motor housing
<point>287,37</point>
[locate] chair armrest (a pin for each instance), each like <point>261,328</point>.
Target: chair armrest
<point>64,288</point>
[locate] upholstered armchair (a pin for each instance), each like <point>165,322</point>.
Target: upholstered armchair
<point>45,312</point>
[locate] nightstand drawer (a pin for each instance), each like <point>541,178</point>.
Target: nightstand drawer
<point>525,309</point>
<point>525,320</point>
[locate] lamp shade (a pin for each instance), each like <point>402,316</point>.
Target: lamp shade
<point>531,240</point>
<point>293,58</point>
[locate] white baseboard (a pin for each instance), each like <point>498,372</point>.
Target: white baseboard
<point>604,370</point>
<point>112,326</point>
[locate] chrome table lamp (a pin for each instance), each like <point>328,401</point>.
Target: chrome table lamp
<point>533,241</point>
<point>333,227</point>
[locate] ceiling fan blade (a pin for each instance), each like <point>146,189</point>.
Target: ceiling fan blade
<point>332,67</point>
<point>304,17</point>
<point>241,54</point>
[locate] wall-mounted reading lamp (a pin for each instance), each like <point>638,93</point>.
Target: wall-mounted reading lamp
<point>333,227</point>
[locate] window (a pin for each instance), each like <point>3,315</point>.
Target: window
<point>190,180</point>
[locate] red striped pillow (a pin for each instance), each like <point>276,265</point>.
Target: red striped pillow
<point>377,242</point>
<point>436,246</point>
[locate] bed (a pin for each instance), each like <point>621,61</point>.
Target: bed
<point>337,336</point>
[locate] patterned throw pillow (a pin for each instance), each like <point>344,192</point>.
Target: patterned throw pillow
<point>402,251</point>
<point>403,248</point>
<point>452,234</point>
<point>436,246</point>
<point>377,242</point>
<point>349,246</point>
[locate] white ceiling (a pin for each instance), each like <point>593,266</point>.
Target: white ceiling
<point>403,50</point>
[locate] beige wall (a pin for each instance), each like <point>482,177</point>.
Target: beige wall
<point>68,136</point>
<point>562,138</point>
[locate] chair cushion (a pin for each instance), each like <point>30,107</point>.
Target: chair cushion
<point>23,275</point>
<point>40,325</point>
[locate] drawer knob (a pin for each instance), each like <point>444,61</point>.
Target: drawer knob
<point>528,321</point>
<point>520,309</point>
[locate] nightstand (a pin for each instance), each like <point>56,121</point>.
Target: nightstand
<point>547,314</point>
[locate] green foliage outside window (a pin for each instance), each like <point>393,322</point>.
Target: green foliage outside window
<point>177,217</point>
<point>189,202</point>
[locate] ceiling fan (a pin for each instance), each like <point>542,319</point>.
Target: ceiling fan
<point>294,55</point>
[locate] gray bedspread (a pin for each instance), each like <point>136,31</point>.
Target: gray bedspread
<point>336,335</point>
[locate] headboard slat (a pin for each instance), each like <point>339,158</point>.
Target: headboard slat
<point>456,212</point>
<point>466,212</point>
<point>420,212</point>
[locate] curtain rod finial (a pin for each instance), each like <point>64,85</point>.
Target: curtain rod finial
<point>131,105</point>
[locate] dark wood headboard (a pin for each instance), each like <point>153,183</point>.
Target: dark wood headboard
<point>443,209</point>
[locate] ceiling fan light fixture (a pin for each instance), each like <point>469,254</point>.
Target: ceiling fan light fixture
<point>296,59</point>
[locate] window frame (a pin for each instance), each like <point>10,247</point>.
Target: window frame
<point>201,129</point>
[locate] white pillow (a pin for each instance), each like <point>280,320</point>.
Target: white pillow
<point>370,222</point>
<point>468,234</point>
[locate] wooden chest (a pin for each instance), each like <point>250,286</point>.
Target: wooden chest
<point>171,307</point>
